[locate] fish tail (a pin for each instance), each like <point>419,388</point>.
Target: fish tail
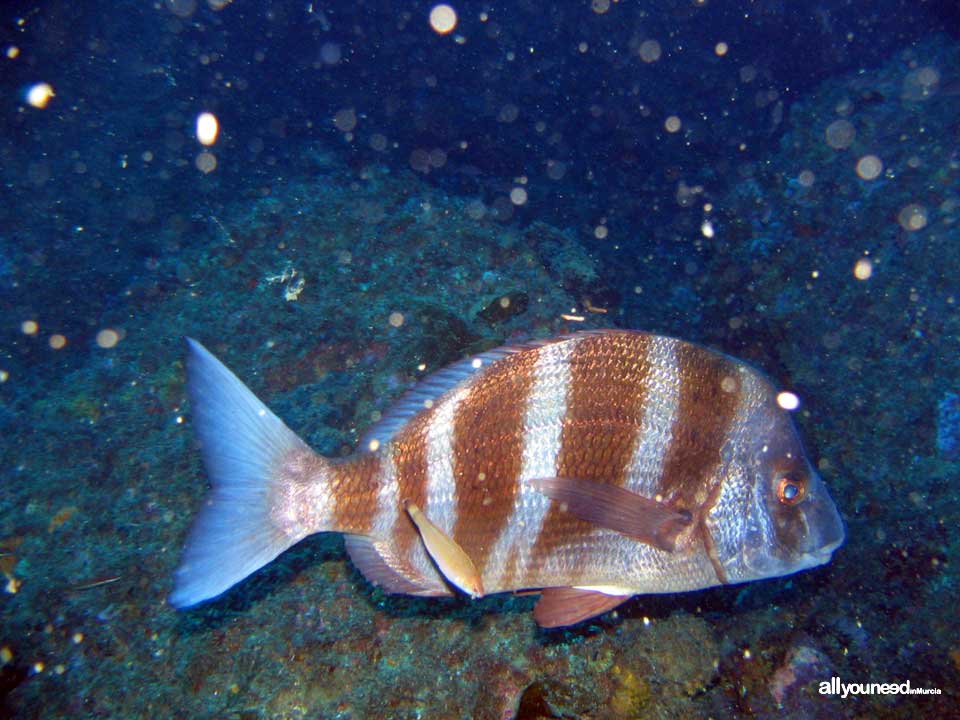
<point>258,470</point>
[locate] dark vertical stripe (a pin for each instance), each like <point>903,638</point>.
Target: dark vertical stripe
<point>710,391</point>
<point>409,448</point>
<point>608,376</point>
<point>488,452</point>
<point>354,485</point>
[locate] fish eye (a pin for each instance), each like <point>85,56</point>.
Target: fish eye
<point>791,491</point>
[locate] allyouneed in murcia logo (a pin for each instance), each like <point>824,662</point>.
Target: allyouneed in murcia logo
<point>833,686</point>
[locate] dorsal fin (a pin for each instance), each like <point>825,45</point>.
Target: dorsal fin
<point>432,388</point>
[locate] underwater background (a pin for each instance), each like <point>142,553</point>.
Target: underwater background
<point>338,198</point>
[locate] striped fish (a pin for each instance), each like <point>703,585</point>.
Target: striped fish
<point>592,467</point>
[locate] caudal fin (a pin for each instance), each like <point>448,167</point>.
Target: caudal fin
<point>243,446</point>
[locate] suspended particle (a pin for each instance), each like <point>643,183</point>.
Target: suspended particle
<point>39,95</point>
<point>437,158</point>
<point>345,120</point>
<point>556,169</point>
<point>788,400</point>
<point>330,53</point>
<point>912,217</point>
<point>869,167</point>
<point>443,19</point>
<point>206,162</point>
<point>649,51</point>
<point>108,338</point>
<point>207,129</point>
<point>840,134</point>
<point>863,269</point>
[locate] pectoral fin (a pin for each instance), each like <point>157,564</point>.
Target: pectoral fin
<point>618,509</point>
<point>562,606</point>
<point>450,558</point>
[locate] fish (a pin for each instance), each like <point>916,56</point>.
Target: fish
<point>590,467</point>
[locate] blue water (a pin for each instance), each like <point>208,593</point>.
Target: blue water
<point>776,180</point>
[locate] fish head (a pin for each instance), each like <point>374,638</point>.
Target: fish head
<point>773,515</point>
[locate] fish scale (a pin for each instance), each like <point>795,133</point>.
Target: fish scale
<point>593,467</point>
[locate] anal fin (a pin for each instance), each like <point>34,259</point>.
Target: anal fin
<point>560,606</point>
<point>380,567</point>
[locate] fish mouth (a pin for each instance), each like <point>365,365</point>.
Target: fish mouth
<point>825,533</point>
<point>823,553</point>
<point>827,550</point>
<point>825,530</point>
